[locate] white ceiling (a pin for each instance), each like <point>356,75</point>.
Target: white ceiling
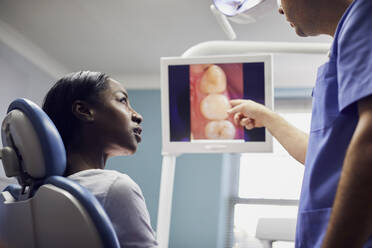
<point>122,37</point>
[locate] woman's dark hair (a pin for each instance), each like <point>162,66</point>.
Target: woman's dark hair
<point>82,85</point>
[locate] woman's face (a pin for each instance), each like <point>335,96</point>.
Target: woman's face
<point>117,125</point>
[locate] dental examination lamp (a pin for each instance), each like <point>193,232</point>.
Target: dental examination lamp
<point>241,12</point>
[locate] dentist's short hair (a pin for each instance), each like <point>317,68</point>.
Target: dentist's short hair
<point>82,85</point>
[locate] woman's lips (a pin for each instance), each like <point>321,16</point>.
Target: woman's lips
<point>137,133</point>
<point>137,130</point>
<point>138,137</point>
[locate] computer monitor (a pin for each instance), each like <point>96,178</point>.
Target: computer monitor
<point>195,95</point>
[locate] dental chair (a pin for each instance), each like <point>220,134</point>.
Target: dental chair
<point>46,209</point>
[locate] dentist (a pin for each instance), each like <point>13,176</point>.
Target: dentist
<point>335,207</point>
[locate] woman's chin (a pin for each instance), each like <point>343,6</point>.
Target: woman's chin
<point>128,150</point>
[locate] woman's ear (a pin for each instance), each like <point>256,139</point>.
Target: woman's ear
<point>83,111</point>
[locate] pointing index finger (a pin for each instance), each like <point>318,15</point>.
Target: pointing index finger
<point>235,109</point>
<point>236,102</point>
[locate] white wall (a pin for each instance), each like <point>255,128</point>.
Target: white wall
<point>19,78</point>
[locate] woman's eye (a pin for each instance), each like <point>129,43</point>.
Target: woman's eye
<point>123,100</point>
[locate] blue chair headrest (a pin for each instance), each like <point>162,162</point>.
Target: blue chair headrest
<point>31,133</point>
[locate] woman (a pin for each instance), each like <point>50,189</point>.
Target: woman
<point>93,115</point>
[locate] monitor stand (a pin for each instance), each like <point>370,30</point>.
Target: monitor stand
<point>165,199</point>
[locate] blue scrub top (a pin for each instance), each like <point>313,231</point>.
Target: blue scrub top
<point>341,83</point>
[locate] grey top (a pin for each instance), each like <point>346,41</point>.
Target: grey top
<point>124,203</point>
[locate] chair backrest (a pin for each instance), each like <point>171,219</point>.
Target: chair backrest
<point>45,209</point>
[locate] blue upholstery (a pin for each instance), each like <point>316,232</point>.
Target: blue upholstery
<point>53,149</point>
<point>14,189</point>
<point>93,207</point>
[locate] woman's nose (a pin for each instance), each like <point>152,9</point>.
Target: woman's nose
<point>137,118</point>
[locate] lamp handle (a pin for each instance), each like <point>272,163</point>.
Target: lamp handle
<point>224,23</point>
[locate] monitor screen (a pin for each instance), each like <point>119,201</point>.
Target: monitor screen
<point>198,93</point>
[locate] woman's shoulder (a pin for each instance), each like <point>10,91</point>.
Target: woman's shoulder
<point>100,173</point>
<point>111,179</point>
<point>123,184</point>
<point>109,184</point>
<point>123,191</point>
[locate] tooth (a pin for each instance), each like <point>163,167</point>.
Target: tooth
<point>220,130</point>
<point>198,68</point>
<point>213,80</point>
<point>215,106</point>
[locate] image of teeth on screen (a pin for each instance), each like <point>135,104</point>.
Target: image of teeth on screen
<point>199,98</point>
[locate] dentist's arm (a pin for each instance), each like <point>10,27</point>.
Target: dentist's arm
<point>250,114</point>
<point>350,224</point>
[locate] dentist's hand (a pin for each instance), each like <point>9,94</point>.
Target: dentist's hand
<point>249,114</point>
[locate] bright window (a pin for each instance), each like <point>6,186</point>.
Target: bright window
<point>268,177</point>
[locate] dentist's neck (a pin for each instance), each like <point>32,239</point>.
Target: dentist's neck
<point>334,17</point>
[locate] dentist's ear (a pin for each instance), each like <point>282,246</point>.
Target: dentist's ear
<point>83,111</point>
